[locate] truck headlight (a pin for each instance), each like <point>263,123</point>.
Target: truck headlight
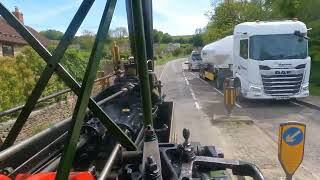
<point>305,87</point>
<point>255,89</point>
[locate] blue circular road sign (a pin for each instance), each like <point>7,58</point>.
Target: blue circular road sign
<point>293,136</point>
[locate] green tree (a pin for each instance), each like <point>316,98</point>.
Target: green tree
<point>52,34</point>
<point>157,36</point>
<point>10,85</point>
<point>119,32</point>
<point>166,38</point>
<point>86,40</point>
<point>75,62</point>
<point>225,16</point>
<point>197,40</point>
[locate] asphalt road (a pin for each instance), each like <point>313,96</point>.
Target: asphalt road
<point>198,103</point>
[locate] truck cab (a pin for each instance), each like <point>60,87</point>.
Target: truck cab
<point>194,60</point>
<point>271,60</point>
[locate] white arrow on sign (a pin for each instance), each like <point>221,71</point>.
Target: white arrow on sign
<point>291,138</point>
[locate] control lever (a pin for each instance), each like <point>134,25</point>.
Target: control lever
<point>163,129</point>
<point>188,153</point>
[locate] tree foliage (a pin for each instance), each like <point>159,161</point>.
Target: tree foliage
<point>52,34</point>
<point>19,75</point>
<point>119,32</point>
<point>197,40</point>
<point>157,36</point>
<point>166,38</point>
<point>86,40</point>
<point>225,16</point>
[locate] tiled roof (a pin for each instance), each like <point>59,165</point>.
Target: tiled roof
<point>9,35</point>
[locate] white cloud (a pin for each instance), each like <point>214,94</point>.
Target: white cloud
<point>180,17</point>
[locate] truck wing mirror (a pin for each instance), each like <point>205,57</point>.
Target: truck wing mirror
<point>299,34</point>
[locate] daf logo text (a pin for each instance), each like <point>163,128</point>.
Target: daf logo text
<point>282,72</point>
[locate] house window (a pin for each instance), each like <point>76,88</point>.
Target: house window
<point>244,48</point>
<point>7,50</point>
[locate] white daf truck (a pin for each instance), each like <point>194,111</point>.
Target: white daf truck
<point>267,60</point>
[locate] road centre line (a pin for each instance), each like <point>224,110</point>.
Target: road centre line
<point>163,70</point>
<point>196,103</point>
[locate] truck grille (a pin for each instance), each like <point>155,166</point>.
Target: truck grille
<point>282,85</point>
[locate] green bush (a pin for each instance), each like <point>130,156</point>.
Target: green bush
<point>177,52</point>
<point>18,77</point>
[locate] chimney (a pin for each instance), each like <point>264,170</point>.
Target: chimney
<point>18,14</point>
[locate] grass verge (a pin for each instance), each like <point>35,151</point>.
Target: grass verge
<point>164,60</point>
<point>315,78</point>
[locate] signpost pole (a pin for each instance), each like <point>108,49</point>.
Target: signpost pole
<point>289,177</point>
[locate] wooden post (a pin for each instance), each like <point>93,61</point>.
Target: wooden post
<point>101,83</point>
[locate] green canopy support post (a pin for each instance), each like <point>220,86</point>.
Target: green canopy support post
<point>142,61</point>
<point>130,27</point>
<point>148,29</point>
<point>83,99</point>
<point>48,71</point>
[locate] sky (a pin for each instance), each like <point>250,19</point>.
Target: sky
<point>176,17</point>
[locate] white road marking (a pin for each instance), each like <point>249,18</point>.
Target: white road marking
<point>163,70</point>
<point>296,104</point>
<point>193,96</point>
<point>208,101</point>
<point>192,93</point>
<point>186,81</point>
<point>221,93</point>
<point>197,105</point>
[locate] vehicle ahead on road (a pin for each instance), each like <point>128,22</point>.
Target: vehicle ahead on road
<point>194,60</point>
<point>267,60</point>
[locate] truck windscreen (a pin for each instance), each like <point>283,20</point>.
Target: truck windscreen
<point>196,57</point>
<point>279,46</point>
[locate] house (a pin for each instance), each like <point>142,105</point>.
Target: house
<point>11,42</point>
<point>173,46</point>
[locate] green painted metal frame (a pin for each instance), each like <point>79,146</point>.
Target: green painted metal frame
<point>48,72</point>
<point>53,65</point>
<point>87,85</point>
<point>141,53</point>
<point>84,91</point>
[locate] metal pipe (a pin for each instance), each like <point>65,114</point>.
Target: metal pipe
<point>15,109</point>
<point>35,157</point>
<point>142,61</point>
<point>140,145</point>
<point>139,137</point>
<point>132,157</point>
<point>105,171</point>
<point>112,96</point>
<point>54,164</point>
<point>36,141</point>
